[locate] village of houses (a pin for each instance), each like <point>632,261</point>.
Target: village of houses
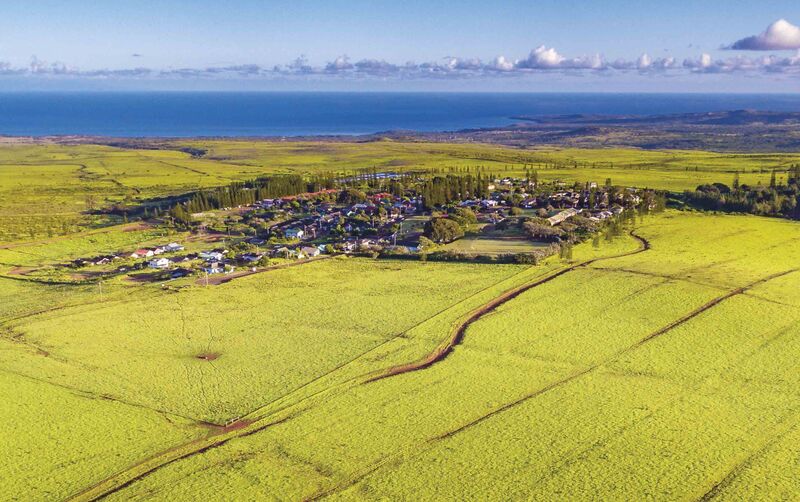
<point>303,227</point>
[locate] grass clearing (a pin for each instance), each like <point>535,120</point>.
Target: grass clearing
<point>493,246</point>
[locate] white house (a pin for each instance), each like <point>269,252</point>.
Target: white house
<point>211,255</point>
<point>142,253</point>
<point>562,216</point>
<point>294,233</point>
<point>160,263</point>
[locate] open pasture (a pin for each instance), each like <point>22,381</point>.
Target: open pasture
<point>218,352</point>
<point>48,189</point>
<point>486,245</point>
<point>577,388</point>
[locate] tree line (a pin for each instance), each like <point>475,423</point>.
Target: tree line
<point>777,199</point>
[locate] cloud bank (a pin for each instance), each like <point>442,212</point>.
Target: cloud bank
<point>541,60</point>
<point>780,35</point>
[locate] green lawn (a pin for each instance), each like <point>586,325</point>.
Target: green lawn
<point>484,245</point>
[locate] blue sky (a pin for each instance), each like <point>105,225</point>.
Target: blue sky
<point>453,45</point>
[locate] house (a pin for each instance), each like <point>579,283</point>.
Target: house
<point>214,268</point>
<point>173,247</point>
<point>309,252</point>
<point>282,252</point>
<point>142,253</point>
<point>211,255</point>
<point>251,257</point>
<point>347,246</point>
<point>294,233</point>
<point>488,203</point>
<point>160,263</point>
<point>562,216</point>
<point>102,260</point>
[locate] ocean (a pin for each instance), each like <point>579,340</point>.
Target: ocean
<point>191,114</point>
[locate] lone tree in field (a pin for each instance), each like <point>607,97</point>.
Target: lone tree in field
<point>442,230</point>
<point>91,202</point>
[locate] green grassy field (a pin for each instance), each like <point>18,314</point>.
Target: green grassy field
<point>493,246</point>
<point>46,189</point>
<point>658,365</point>
<point>612,380</point>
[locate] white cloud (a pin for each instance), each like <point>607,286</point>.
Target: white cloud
<point>780,35</point>
<point>542,60</point>
<point>541,57</point>
<point>500,63</point>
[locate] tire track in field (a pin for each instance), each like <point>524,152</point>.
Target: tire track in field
<point>788,425</point>
<point>457,334</point>
<point>193,170</point>
<point>356,378</point>
<point>397,457</point>
<point>175,454</point>
<point>106,397</point>
<point>577,453</point>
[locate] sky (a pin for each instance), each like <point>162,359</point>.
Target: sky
<point>355,45</point>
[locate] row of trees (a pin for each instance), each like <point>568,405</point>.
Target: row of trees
<point>237,194</point>
<point>442,190</point>
<point>773,200</point>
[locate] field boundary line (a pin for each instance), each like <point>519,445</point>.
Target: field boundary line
<point>104,397</point>
<point>116,482</point>
<point>778,432</point>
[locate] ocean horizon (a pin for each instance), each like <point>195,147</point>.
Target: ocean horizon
<point>291,114</point>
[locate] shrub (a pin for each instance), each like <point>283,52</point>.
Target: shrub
<point>443,230</point>
<point>526,259</point>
